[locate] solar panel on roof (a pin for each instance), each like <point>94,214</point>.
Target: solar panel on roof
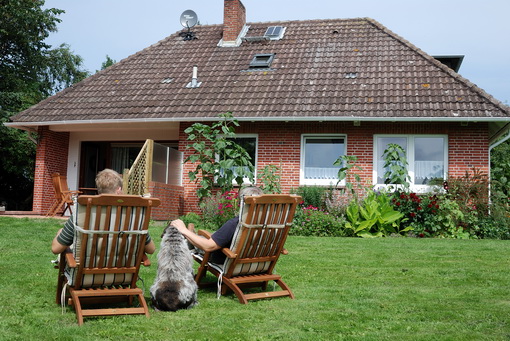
<point>274,32</point>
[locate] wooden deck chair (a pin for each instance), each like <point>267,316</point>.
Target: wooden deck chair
<point>108,249</point>
<point>63,196</point>
<point>256,246</point>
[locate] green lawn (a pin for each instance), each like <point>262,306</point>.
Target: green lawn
<point>346,289</point>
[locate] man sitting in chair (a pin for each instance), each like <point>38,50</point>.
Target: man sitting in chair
<point>222,237</point>
<point>108,181</point>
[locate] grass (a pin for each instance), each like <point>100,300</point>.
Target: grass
<point>346,289</point>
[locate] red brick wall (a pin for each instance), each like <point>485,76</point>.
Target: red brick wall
<point>52,151</point>
<point>172,201</point>
<point>279,143</point>
<point>234,18</point>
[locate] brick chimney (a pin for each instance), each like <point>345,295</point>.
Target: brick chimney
<point>234,19</point>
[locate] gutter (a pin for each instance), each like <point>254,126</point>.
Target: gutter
<point>26,125</point>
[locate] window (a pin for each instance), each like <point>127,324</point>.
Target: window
<point>275,32</point>
<point>249,143</point>
<point>262,60</point>
<point>318,153</point>
<point>426,158</point>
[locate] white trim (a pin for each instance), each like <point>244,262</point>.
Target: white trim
<point>238,41</point>
<point>297,118</point>
<point>318,182</point>
<point>410,138</point>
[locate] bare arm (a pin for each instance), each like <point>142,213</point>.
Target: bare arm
<point>56,247</point>
<point>150,247</point>
<point>202,243</point>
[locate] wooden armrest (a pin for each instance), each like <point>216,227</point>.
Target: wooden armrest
<point>204,233</point>
<point>285,251</point>
<point>145,260</point>
<point>227,252</point>
<point>70,261</point>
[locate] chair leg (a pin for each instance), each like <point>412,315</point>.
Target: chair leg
<point>77,308</point>
<point>201,271</point>
<point>53,209</point>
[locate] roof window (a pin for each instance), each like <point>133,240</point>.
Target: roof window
<point>262,60</point>
<point>275,32</point>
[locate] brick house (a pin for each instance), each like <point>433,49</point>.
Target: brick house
<point>304,92</point>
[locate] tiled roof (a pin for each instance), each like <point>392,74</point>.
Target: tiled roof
<point>323,69</point>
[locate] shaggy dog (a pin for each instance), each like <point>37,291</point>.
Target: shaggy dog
<point>174,287</point>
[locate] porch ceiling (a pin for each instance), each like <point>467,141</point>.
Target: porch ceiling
<point>171,127</point>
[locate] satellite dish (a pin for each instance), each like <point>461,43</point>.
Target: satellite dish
<point>189,18</point>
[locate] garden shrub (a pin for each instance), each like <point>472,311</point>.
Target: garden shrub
<point>311,221</point>
<point>374,216</point>
<point>218,209</point>
<point>313,196</point>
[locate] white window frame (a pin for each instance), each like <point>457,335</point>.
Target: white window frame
<point>410,159</point>
<point>318,182</point>
<point>246,181</point>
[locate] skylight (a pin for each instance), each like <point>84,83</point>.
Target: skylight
<point>275,32</point>
<point>262,60</point>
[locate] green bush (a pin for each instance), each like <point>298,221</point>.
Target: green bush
<point>310,221</point>
<point>374,216</point>
<point>217,209</point>
<point>313,196</point>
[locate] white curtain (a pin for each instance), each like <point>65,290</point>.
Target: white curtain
<point>321,173</point>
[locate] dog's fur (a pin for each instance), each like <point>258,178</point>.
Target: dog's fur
<point>174,287</point>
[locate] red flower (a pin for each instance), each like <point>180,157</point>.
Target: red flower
<point>419,208</point>
<point>412,214</point>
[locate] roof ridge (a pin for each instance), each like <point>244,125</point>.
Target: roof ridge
<point>470,85</point>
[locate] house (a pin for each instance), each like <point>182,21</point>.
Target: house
<point>304,92</point>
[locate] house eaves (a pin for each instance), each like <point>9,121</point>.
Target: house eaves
<point>31,125</point>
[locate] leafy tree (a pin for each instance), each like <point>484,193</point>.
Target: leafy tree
<point>219,160</point>
<point>500,173</point>
<point>107,63</point>
<point>30,70</point>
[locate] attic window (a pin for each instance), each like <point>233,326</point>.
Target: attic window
<point>262,60</point>
<point>275,32</point>
<point>453,62</point>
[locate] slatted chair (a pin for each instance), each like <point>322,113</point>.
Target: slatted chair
<point>256,247</point>
<point>109,242</point>
<point>63,196</point>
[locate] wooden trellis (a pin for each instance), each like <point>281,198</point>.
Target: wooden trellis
<point>137,178</point>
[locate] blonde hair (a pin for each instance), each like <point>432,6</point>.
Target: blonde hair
<point>108,181</point>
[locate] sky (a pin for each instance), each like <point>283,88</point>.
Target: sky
<point>479,30</point>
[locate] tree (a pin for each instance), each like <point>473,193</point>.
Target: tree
<point>500,173</point>
<point>30,70</point>
<point>107,63</point>
<point>219,160</point>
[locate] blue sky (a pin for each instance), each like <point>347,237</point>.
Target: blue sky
<point>479,30</point>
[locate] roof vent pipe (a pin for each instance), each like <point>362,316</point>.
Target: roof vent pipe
<point>194,79</point>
